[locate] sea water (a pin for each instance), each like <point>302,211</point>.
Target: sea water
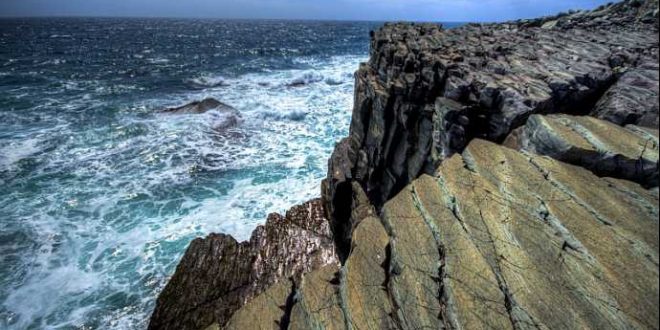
<point>100,193</point>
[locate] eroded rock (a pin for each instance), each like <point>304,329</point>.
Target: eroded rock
<point>633,99</point>
<point>436,227</point>
<point>218,275</point>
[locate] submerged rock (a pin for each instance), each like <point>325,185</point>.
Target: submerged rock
<point>604,148</point>
<point>218,275</point>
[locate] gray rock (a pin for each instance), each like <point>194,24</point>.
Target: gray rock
<point>202,106</point>
<point>427,92</point>
<point>633,99</point>
<point>608,150</point>
<point>223,116</point>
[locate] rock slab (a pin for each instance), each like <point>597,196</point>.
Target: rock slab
<point>495,238</point>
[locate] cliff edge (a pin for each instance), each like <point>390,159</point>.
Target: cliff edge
<point>495,176</point>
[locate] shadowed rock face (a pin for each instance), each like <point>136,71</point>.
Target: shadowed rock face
<point>217,275</point>
<point>435,225</point>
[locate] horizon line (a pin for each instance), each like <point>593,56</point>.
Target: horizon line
<point>242,19</point>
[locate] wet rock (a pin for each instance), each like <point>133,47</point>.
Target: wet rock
<point>223,116</point>
<point>218,275</point>
<point>608,150</point>
<point>201,107</point>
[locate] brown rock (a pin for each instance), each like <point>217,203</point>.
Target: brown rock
<point>217,275</point>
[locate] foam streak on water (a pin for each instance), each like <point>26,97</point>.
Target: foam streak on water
<point>101,194</point>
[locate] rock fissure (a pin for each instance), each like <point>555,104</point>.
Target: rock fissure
<point>548,176</point>
<point>391,269</point>
<point>444,298</point>
<point>291,300</point>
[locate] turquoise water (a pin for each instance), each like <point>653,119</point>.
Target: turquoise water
<point>101,194</point>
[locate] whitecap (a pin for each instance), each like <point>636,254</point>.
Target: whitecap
<point>158,60</point>
<point>55,285</point>
<point>16,151</point>
<point>209,81</point>
<point>294,115</point>
<point>306,78</point>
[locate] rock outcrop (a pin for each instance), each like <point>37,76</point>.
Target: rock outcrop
<point>495,238</point>
<point>495,176</point>
<point>217,275</point>
<point>202,106</point>
<point>426,92</point>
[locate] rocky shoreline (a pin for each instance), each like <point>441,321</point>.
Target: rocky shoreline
<point>495,175</point>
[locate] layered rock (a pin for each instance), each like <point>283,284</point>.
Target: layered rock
<point>606,149</point>
<point>217,275</point>
<point>494,238</point>
<point>633,98</point>
<point>436,225</point>
<point>426,92</point>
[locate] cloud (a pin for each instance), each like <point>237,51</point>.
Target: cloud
<point>414,10</point>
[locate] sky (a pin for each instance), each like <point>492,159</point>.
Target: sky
<point>375,10</point>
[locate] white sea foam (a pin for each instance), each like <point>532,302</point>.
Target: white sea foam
<point>122,200</point>
<point>209,81</point>
<point>16,150</point>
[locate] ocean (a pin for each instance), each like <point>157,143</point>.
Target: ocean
<point>100,193</point>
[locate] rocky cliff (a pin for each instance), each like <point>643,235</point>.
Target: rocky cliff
<point>495,176</point>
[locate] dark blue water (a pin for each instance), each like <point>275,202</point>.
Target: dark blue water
<point>100,193</point>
